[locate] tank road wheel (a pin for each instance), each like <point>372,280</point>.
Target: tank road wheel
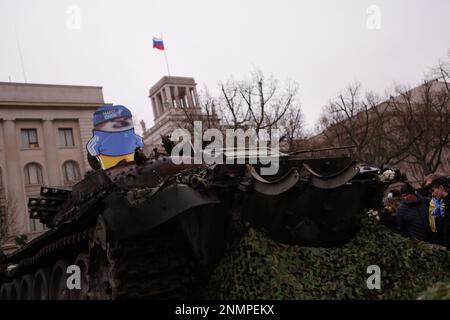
<point>101,269</point>
<point>5,291</point>
<point>100,282</point>
<point>151,266</point>
<point>15,289</point>
<point>99,236</point>
<point>100,287</point>
<point>40,285</point>
<point>26,286</point>
<point>83,262</point>
<point>58,287</point>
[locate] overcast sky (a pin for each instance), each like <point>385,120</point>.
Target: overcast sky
<point>322,45</point>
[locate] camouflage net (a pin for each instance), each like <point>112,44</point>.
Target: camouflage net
<point>440,290</point>
<point>259,268</point>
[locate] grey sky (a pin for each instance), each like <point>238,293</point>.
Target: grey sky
<point>323,45</point>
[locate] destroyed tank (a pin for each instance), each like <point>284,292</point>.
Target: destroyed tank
<point>155,229</point>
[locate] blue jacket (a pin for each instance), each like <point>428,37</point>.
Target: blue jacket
<point>114,143</point>
<point>412,219</point>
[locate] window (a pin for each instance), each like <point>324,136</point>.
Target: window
<point>66,137</point>
<point>33,174</point>
<point>71,171</point>
<point>29,138</point>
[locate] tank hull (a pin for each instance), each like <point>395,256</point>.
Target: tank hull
<point>156,230</point>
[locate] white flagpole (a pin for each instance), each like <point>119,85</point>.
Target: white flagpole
<point>165,56</point>
<point>20,55</point>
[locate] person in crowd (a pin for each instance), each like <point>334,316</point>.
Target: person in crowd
<point>412,214</point>
<point>391,203</point>
<point>433,234</point>
<point>440,190</point>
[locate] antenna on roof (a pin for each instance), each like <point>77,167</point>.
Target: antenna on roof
<point>20,54</point>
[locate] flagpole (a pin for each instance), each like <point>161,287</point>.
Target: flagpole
<point>167,63</point>
<point>20,54</point>
<point>165,56</point>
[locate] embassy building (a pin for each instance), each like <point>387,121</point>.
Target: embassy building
<point>43,132</point>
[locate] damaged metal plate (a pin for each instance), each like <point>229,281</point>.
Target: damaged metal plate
<point>124,220</point>
<point>335,180</point>
<point>274,187</point>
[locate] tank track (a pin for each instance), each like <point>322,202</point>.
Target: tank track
<point>173,260</point>
<point>42,261</point>
<point>153,266</point>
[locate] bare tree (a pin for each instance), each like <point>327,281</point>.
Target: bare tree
<point>259,102</point>
<point>349,120</point>
<point>442,72</point>
<point>384,146</point>
<point>8,219</point>
<point>421,118</point>
<point>292,129</point>
<point>233,112</point>
<point>365,122</point>
<point>410,128</point>
<point>265,101</point>
<point>205,113</point>
<point>208,105</point>
<point>345,120</point>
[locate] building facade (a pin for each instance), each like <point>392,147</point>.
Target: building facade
<point>43,133</point>
<point>389,121</point>
<point>171,99</point>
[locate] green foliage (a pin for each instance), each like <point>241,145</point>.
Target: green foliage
<point>440,290</point>
<point>259,268</point>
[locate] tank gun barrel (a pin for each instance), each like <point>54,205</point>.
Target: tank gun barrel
<point>297,155</point>
<point>321,149</point>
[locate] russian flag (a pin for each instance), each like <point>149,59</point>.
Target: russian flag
<point>158,43</point>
